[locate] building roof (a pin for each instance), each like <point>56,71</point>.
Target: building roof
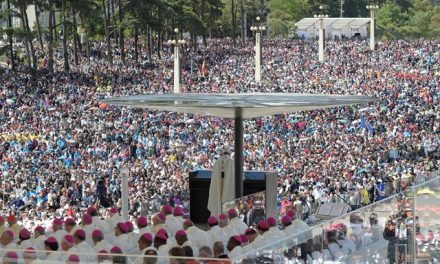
<point>230,105</point>
<point>337,23</point>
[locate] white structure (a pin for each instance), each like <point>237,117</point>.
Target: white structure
<point>309,27</point>
<point>372,9</point>
<point>258,30</point>
<point>176,43</point>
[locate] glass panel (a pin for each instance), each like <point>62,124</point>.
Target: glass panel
<point>301,245</point>
<point>251,208</point>
<point>75,256</point>
<point>427,220</point>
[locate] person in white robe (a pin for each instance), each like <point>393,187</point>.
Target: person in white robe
<point>198,237</point>
<point>25,239</point>
<point>114,219</point>
<point>97,221</point>
<point>70,226</point>
<point>214,230</point>
<point>222,187</point>
<point>245,246</point>
<point>53,255</point>
<point>178,214</point>
<point>274,233</point>
<point>10,257</point>
<point>227,230</point>
<point>142,226</point>
<point>99,243</point>
<point>182,240</point>
<point>261,240</point>
<point>160,244</point>
<point>38,240</point>
<point>84,247</point>
<point>121,240</point>
<point>234,248</point>
<point>145,243</point>
<point>58,231</point>
<point>7,242</point>
<point>132,237</point>
<point>88,226</point>
<point>235,222</point>
<point>68,246</point>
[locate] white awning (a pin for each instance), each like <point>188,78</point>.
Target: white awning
<point>336,23</point>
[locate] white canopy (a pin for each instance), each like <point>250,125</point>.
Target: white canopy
<point>336,23</point>
<point>247,105</point>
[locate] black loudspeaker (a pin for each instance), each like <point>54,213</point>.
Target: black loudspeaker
<point>199,182</point>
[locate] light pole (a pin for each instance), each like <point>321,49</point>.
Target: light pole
<point>176,43</point>
<point>321,17</point>
<point>372,8</point>
<point>258,29</point>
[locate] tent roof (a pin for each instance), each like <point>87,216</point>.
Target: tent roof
<point>338,23</point>
<point>230,105</point>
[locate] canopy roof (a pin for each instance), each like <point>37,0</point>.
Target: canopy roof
<point>247,105</point>
<point>337,23</point>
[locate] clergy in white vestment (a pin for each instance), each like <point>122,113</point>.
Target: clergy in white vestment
<point>227,230</point>
<point>84,247</point>
<point>198,237</point>
<point>234,247</point>
<point>262,239</point>
<point>38,240</point>
<point>222,187</point>
<point>236,223</point>
<point>214,230</point>
<point>182,240</point>
<point>58,231</point>
<point>53,255</point>
<point>145,243</point>
<point>274,233</point>
<point>7,242</point>
<point>30,256</point>
<point>142,225</point>
<point>158,222</point>
<point>70,226</point>
<point>160,244</point>
<point>68,246</point>
<point>14,226</point>
<point>171,223</point>
<point>114,219</point>
<point>25,240</point>
<point>178,213</point>
<point>97,221</point>
<point>121,240</point>
<point>132,237</point>
<point>99,243</point>
<point>10,257</point>
<point>88,226</point>
<point>245,246</point>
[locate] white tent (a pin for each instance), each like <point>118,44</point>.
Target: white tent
<point>308,27</point>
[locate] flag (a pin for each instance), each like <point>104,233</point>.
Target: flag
<point>365,124</point>
<point>204,69</point>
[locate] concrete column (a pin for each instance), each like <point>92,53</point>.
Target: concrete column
<point>258,57</point>
<point>321,41</point>
<point>176,69</point>
<point>372,33</point>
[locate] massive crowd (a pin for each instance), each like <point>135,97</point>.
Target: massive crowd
<point>62,149</point>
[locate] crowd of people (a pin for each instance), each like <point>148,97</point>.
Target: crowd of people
<point>61,149</point>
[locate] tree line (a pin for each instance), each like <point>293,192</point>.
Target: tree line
<point>77,23</point>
